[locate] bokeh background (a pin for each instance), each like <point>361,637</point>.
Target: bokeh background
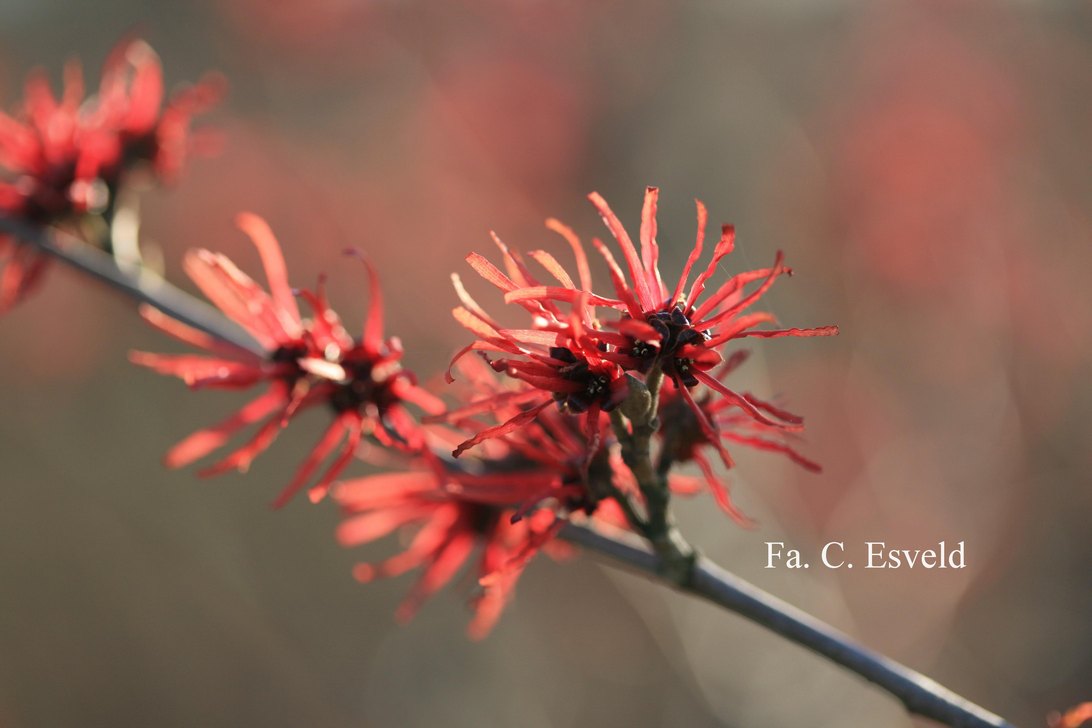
<point>926,166</point>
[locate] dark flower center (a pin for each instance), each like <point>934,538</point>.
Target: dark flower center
<point>597,485</point>
<point>482,519</point>
<point>675,332</point>
<point>139,148</point>
<point>682,434</point>
<point>596,387</point>
<point>288,353</point>
<point>288,357</point>
<point>362,389</point>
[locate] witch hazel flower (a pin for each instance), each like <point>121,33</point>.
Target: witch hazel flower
<point>573,469</point>
<point>684,437</point>
<point>676,331</point>
<point>145,130</point>
<point>562,357</point>
<point>507,501</point>
<point>301,362</point>
<point>449,528</point>
<point>65,158</point>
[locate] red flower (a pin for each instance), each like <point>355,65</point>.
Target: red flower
<point>128,109</point>
<point>303,363</point>
<point>572,468</point>
<point>562,357</point>
<point>63,158</point>
<point>676,330</point>
<point>450,526</point>
<point>511,498</point>
<point>684,434</point>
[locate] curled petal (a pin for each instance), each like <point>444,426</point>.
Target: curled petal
<point>504,428</point>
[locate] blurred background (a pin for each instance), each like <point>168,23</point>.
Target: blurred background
<point>924,165</point>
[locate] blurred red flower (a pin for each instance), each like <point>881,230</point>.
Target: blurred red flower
<point>303,362</point>
<point>684,435</point>
<point>511,498</point>
<point>64,158</point>
<point>449,529</point>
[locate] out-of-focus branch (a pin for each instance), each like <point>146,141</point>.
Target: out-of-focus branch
<point>919,694</point>
<point>137,283</point>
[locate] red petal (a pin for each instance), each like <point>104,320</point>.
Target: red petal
<point>695,253</point>
<point>650,249</point>
<point>723,247</point>
<point>708,428</point>
<point>385,490</point>
<point>355,430</point>
<point>720,493</point>
<point>619,281</point>
<point>373,325</point>
<point>639,330</point>
<point>554,268</point>
<point>582,268</point>
<point>739,400</point>
<point>242,458</point>
<point>818,331</point>
<point>276,272</point>
<point>446,561</point>
<point>189,335</point>
<point>489,272</point>
<point>204,441</point>
<point>469,303</point>
<point>738,327</point>
<point>644,294</point>
<point>774,410</point>
<point>729,290</point>
<point>771,446</point>
<point>370,527</point>
<point>489,404</point>
<point>326,444</point>
<point>234,293</point>
<point>198,371</point>
<point>569,295</point>
<point>504,428</point>
<point>145,89</point>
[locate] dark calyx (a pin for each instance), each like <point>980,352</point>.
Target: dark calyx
<point>675,332</point>
<point>681,432</point>
<point>596,387</point>
<point>361,388</point>
<point>598,482</point>
<point>481,518</point>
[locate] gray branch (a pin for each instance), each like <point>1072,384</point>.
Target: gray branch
<point>137,283</point>
<point>920,695</point>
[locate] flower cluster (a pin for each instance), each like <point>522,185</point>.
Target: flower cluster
<point>302,363</point>
<point>62,159</point>
<point>581,362</point>
<point>533,449</point>
<point>509,499</point>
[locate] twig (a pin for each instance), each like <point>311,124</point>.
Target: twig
<point>919,694</point>
<point>137,283</point>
